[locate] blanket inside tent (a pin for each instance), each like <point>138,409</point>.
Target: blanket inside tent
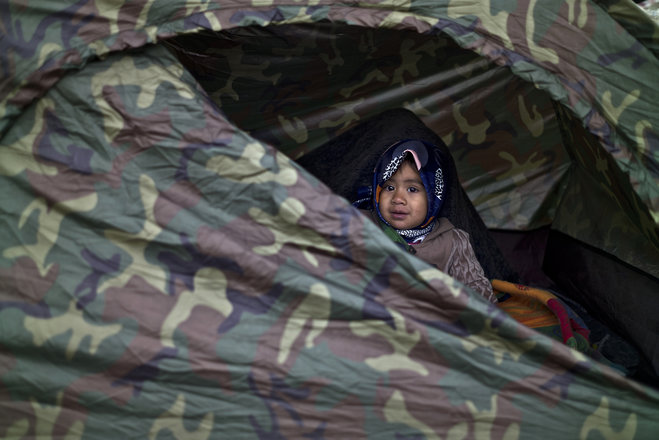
<point>169,269</point>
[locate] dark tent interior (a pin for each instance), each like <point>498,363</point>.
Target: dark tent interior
<point>616,297</point>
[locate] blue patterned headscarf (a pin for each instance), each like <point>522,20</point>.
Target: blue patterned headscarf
<point>428,162</point>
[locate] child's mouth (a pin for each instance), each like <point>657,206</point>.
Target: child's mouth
<point>398,215</point>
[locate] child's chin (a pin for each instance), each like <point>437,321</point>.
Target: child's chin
<point>401,225</point>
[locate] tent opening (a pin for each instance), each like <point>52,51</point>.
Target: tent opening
<point>527,164</point>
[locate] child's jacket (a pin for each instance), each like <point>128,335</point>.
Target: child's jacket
<point>449,249</point>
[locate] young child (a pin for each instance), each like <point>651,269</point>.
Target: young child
<point>405,199</point>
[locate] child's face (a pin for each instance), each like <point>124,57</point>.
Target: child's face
<point>403,200</point>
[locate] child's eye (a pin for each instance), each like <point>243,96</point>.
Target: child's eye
<point>413,189</point>
<point>389,187</point>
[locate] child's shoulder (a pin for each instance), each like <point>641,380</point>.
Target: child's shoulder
<point>442,231</point>
<point>443,225</point>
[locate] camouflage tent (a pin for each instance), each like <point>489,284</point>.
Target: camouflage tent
<point>168,271</point>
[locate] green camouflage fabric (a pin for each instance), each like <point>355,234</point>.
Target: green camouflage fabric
<point>508,143</point>
<point>167,271</point>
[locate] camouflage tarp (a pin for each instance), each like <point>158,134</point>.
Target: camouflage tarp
<point>165,273</point>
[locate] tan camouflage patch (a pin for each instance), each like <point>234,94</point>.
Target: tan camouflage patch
<point>498,346</point>
<point>210,291</point>
<point>172,420</point>
<point>600,421</point>
<point>313,311</point>
<point>134,244</point>
<point>73,321</point>
<point>48,228</point>
<point>19,156</point>
<point>248,169</point>
<point>400,338</point>
<point>395,411</point>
